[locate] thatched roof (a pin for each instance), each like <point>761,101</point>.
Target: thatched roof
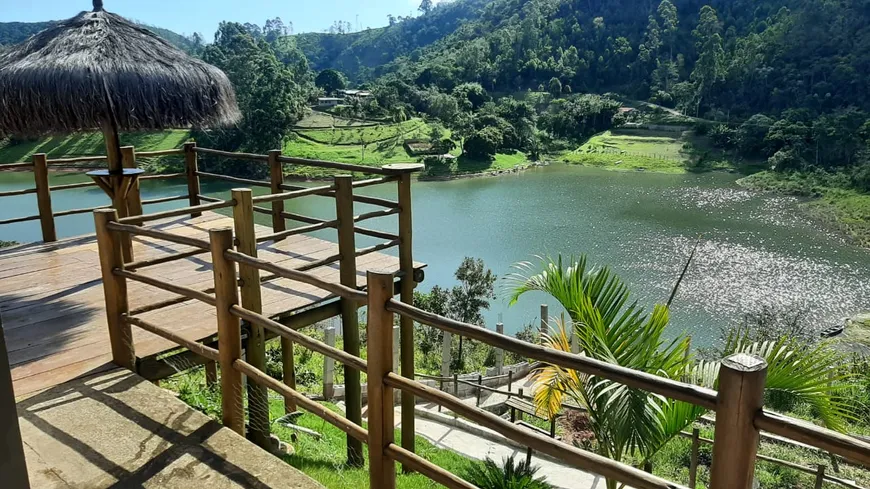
<point>58,80</point>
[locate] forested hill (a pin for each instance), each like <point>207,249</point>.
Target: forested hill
<point>16,32</point>
<point>736,56</point>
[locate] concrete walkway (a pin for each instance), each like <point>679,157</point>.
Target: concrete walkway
<point>116,430</point>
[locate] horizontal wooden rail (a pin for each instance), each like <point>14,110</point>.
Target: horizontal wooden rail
<point>71,186</point>
<point>84,210</point>
<point>136,265</point>
<point>161,284</point>
<point>79,159</point>
<point>177,212</point>
<point>375,233</point>
<point>198,348</point>
<point>19,219</point>
<point>11,166</point>
<point>259,263</point>
<point>378,247</point>
<point>335,165</point>
<point>162,152</point>
<point>365,199</point>
<point>208,199</point>
<point>581,459</point>
<point>156,234</point>
<point>419,464</point>
<point>12,193</point>
<point>673,389</point>
<point>375,214</point>
<point>227,178</point>
<point>301,218</point>
<point>314,407</point>
<point>160,200</point>
<point>294,195</point>
<point>162,176</point>
<point>329,260</point>
<point>262,210</point>
<point>299,230</point>
<point>373,181</point>
<point>161,304</point>
<point>300,338</point>
<point>230,154</point>
<point>804,432</point>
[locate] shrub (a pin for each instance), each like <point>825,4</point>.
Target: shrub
<point>511,475</point>
<point>483,143</point>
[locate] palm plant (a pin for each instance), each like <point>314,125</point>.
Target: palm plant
<point>510,475</point>
<point>631,422</point>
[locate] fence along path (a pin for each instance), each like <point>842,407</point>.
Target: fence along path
<point>738,404</point>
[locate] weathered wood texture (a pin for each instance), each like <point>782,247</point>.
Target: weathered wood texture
<point>51,297</point>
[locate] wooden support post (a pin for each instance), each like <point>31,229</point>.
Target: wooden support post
<point>134,196</point>
<point>553,427</point>
<point>119,200</point>
<point>276,174</point>
<point>545,329</point>
<point>43,197</point>
<point>229,329</point>
<point>329,366</point>
<point>210,373</point>
<point>397,340</point>
<point>520,414</point>
<point>12,463</point>
<point>191,166</point>
<point>820,476</point>
<point>406,265</point>
<point>479,383</point>
<point>529,457</point>
<point>510,381</point>
<point>382,470</point>
<point>114,289</point>
<point>455,385</point>
<point>693,460</point>
<point>440,388</point>
<point>252,300</point>
<point>499,352</point>
<point>741,396</point>
<point>446,345</point>
<point>349,320</point>
<point>288,373</point>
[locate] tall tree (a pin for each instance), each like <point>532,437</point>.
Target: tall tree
<point>469,298</point>
<point>425,6</point>
<point>330,80</point>
<point>710,66</point>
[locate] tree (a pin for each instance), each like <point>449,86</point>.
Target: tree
<point>330,80</point>
<point>555,87</point>
<point>471,95</point>
<point>710,67</point>
<point>425,6</point>
<point>472,295</point>
<point>436,301</point>
<point>484,143</point>
<point>391,19</point>
<point>628,422</point>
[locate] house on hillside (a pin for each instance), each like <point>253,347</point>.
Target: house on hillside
<point>329,101</point>
<point>357,94</point>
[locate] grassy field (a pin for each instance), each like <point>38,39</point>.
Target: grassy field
<point>315,119</point>
<point>355,135</point>
<point>642,150</point>
<point>90,144</point>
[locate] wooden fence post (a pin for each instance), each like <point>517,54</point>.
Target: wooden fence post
<point>134,196</point>
<point>229,329</point>
<point>329,366</point>
<point>693,461</point>
<point>820,476</point>
<point>545,317</point>
<point>43,197</point>
<point>276,174</point>
<point>741,396</point>
<point>499,352</point>
<point>479,383</point>
<point>114,289</point>
<point>349,320</point>
<point>255,352</point>
<point>12,463</point>
<point>382,470</point>
<point>406,264</point>
<point>510,382</point>
<point>446,346</point>
<point>455,385</point>
<point>191,166</point>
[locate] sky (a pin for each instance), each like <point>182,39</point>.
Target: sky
<point>189,16</point>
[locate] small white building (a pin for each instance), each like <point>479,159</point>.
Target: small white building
<point>360,94</point>
<point>328,101</point>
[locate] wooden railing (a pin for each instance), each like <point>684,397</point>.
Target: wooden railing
<point>738,405</point>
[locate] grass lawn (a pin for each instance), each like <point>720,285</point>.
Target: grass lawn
<point>90,144</point>
<point>315,119</point>
<point>354,135</point>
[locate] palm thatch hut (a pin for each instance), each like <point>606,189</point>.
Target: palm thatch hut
<point>99,71</point>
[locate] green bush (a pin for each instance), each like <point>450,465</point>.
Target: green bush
<point>511,475</point>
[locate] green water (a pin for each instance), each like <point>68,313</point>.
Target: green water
<point>756,249</point>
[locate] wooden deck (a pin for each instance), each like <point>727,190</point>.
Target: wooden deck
<point>51,298</point>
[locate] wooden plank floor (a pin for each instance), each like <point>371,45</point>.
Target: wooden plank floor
<point>51,298</point>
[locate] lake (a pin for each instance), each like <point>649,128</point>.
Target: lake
<point>756,249</point>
